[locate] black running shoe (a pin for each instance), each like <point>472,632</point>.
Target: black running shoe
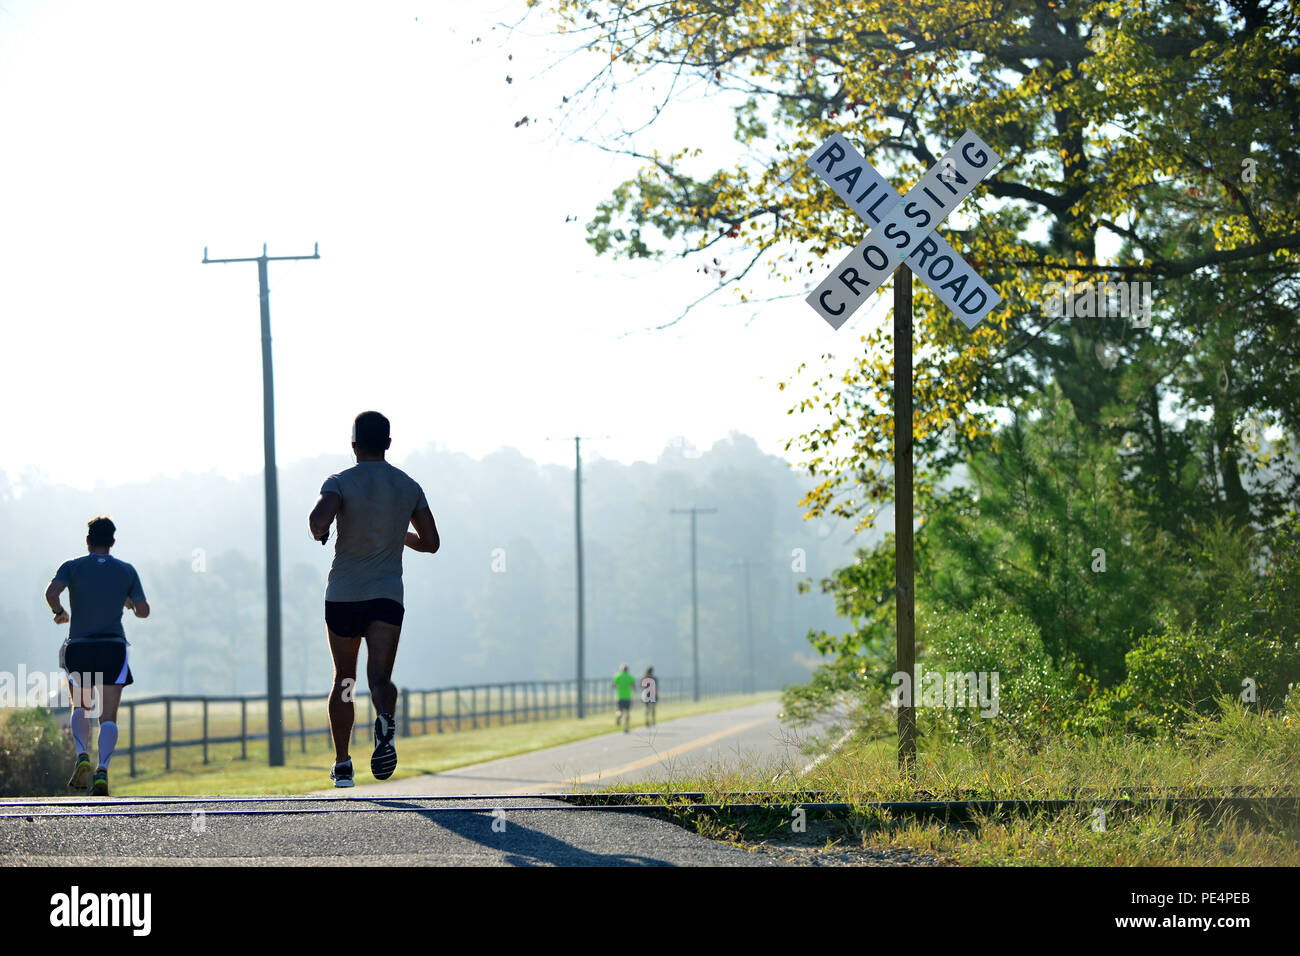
<point>99,788</point>
<point>384,760</point>
<point>342,774</point>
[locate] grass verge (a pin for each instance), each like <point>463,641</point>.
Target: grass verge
<point>1239,751</point>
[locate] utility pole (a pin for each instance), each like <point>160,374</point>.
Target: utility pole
<point>577,531</point>
<point>695,597</point>
<point>274,708</point>
<point>904,559</point>
<point>745,564</point>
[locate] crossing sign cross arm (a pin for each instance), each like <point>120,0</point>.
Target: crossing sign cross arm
<point>904,229</point>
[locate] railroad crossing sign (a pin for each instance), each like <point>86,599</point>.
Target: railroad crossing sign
<point>903,238</point>
<point>903,230</point>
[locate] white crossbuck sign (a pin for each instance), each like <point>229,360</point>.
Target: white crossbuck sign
<point>903,229</point>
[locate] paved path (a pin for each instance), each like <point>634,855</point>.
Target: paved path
<point>704,743</point>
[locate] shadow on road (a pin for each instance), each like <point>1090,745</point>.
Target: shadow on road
<point>527,847</point>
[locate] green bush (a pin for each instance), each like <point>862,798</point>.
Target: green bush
<point>35,754</point>
<point>1035,698</point>
<point>1178,673</point>
<point>1051,528</point>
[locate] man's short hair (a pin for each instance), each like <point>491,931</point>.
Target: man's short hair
<point>370,432</point>
<point>100,531</point>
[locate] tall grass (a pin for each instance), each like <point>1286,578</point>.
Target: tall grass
<point>1240,751</point>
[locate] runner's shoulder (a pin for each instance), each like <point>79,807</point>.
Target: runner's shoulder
<point>69,568</point>
<point>339,481</point>
<point>403,476</point>
<point>124,565</point>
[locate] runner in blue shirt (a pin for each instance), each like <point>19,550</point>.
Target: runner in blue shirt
<point>99,588</point>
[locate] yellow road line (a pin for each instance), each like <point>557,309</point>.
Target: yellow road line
<point>652,759</point>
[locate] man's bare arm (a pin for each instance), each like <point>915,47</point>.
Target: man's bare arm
<point>139,608</point>
<point>425,536</point>
<point>323,515</point>
<point>52,599</point>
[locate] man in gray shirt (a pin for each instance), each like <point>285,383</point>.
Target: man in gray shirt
<point>94,655</point>
<point>375,504</point>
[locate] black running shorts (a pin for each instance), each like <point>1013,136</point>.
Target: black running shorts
<point>91,663</point>
<point>625,704</point>
<point>351,618</point>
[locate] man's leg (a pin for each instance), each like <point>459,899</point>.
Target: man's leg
<point>344,650</point>
<point>82,700</point>
<point>381,655</point>
<point>110,697</point>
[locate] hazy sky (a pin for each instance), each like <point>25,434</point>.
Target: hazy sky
<point>450,293</point>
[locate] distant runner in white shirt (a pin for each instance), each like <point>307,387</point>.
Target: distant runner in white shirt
<point>375,504</point>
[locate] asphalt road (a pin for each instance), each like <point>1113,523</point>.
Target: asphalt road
<point>382,825</point>
<point>354,832</point>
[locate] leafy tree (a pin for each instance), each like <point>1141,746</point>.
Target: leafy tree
<point>1167,128</point>
<point>1204,405</point>
<point>1148,121</point>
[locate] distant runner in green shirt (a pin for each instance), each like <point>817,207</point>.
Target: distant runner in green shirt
<point>623,684</point>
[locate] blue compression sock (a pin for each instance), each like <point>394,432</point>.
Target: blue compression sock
<point>107,741</point>
<point>80,729</point>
